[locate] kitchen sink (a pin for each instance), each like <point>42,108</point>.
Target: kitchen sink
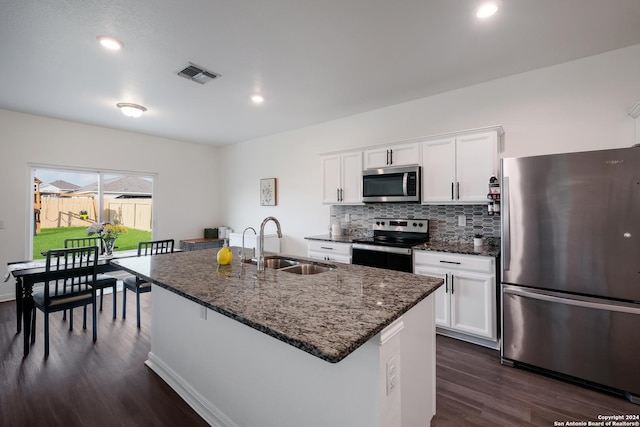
<point>278,263</point>
<point>308,268</point>
<point>294,266</point>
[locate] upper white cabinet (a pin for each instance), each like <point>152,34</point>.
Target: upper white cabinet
<point>392,155</point>
<point>456,169</point>
<point>342,178</point>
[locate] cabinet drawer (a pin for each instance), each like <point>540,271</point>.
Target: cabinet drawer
<point>330,247</point>
<point>455,262</point>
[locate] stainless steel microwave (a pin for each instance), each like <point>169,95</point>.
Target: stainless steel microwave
<point>398,184</point>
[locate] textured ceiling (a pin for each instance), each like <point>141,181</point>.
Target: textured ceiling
<point>312,60</point>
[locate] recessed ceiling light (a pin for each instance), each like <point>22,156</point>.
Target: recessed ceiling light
<point>257,99</point>
<point>131,110</point>
<point>486,10</point>
<point>110,42</point>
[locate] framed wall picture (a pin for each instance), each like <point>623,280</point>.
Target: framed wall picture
<point>268,193</point>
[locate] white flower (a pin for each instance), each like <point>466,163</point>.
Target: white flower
<point>96,227</point>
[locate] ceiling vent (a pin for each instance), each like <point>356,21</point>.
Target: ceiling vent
<point>197,74</point>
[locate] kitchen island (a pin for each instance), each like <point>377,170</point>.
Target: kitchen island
<point>353,346</point>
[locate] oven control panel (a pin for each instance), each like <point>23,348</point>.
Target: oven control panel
<point>414,225</point>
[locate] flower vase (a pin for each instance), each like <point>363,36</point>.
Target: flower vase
<point>108,247</point>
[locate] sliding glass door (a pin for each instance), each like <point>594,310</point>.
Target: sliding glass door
<point>66,202</point>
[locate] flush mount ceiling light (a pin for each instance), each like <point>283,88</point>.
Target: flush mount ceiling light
<point>131,110</point>
<point>257,99</point>
<point>110,42</point>
<point>486,10</point>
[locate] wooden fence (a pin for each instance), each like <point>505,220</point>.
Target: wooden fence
<point>65,212</point>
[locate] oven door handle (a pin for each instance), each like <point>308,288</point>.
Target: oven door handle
<point>376,248</point>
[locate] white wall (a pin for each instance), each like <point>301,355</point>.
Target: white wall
<point>186,199</point>
<point>576,106</point>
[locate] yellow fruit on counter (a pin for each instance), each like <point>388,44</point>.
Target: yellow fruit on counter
<point>224,256</point>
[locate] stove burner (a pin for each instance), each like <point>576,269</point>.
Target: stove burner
<point>394,241</point>
<point>397,233</point>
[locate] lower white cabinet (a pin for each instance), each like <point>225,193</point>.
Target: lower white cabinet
<point>466,303</point>
<point>329,251</point>
<point>271,241</point>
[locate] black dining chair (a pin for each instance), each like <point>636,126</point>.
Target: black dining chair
<point>103,281</point>
<point>135,283</point>
<point>69,275</point>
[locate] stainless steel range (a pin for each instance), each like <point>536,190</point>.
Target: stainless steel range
<point>390,246</point>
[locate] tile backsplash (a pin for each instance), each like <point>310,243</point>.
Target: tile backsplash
<point>443,219</point>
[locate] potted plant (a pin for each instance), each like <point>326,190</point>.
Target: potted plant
<point>84,214</point>
<point>477,239</point>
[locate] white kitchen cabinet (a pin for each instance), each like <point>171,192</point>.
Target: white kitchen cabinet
<point>457,168</point>
<point>342,178</point>
<point>271,241</point>
<point>329,251</point>
<point>392,155</point>
<point>466,303</point>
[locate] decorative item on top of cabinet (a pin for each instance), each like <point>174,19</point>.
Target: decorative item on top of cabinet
<point>466,306</point>
<point>329,251</point>
<point>392,155</point>
<point>455,168</point>
<point>342,178</point>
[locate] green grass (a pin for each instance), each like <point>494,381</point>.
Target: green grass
<point>53,238</point>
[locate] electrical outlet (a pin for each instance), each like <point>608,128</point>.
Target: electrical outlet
<point>462,220</point>
<point>203,313</point>
<point>392,374</point>
<point>1,223</point>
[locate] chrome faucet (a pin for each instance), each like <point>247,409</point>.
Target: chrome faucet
<point>242,257</point>
<point>261,240</point>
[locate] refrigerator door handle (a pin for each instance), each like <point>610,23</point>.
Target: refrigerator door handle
<point>575,300</point>
<point>506,226</point>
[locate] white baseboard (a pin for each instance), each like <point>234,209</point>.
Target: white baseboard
<point>207,410</point>
<point>494,345</point>
<point>7,297</point>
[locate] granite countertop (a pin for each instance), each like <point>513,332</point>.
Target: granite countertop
<point>331,238</point>
<point>328,315</point>
<point>455,247</point>
<point>460,248</point>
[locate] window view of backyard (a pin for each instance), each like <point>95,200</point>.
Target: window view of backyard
<point>67,203</point>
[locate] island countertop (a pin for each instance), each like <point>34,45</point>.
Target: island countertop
<point>328,315</point>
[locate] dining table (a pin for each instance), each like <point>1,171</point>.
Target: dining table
<point>29,273</point>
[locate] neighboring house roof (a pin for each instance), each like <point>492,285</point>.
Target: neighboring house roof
<point>125,185</point>
<point>64,185</point>
<point>59,186</point>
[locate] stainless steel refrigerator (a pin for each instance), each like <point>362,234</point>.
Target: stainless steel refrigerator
<point>571,266</point>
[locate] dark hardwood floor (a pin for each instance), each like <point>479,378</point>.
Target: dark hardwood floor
<point>474,389</point>
<point>86,384</point>
<point>107,384</point>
